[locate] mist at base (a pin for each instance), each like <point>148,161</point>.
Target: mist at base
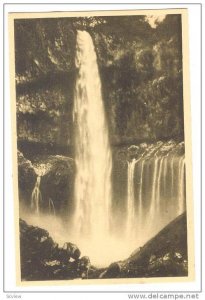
<point>102,251</point>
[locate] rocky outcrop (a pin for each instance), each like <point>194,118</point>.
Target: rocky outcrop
<point>56,184</point>
<point>43,259</point>
<point>26,176</point>
<point>165,255</point>
<point>44,112</point>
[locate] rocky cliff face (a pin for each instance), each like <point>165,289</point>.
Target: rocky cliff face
<point>140,70</point>
<point>26,177</point>
<point>56,186</point>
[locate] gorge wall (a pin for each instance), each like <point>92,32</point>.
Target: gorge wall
<point>140,69</point>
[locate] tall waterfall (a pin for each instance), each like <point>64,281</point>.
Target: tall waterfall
<point>92,150</point>
<point>156,188</point>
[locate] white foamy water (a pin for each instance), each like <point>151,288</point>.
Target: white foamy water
<point>92,216</point>
<point>131,217</point>
<point>156,190</point>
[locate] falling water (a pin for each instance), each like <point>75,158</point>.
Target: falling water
<point>140,209</point>
<point>51,207</point>
<point>181,192</point>
<point>153,204</point>
<point>130,199</point>
<point>156,188</point>
<point>92,150</point>
<point>36,197</point>
<point>172,172</point>
<point>165,171</point>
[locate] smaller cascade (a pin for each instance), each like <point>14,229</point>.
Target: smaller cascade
<point>36,197</point>
<point>154,156</point>
<point>159,180</point>
<point>155,187</point>
<point>166,158</point>
<point>172,174</point>
<point>153,205</point>
<point>181,186</point>
<point>140,209</point>
<point>130,197</point>
<point>51,207</point>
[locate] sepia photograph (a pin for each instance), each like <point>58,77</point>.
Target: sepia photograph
<point>101,146</point>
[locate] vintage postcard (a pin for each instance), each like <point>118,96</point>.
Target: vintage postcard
<point>102,147</point>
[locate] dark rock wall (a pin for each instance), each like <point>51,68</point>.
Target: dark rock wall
<point>140,68</point>
<point>43,259</point>
<point>26,178</point>
<point>56,185</point>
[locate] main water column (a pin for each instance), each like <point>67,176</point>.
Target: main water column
<point>92,148</point>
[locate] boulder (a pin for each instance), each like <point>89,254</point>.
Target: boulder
<point>26,177</point>
<point>72,250</point>
<point>113,271</point>
<point>43,259</point>
<point>84,266</point>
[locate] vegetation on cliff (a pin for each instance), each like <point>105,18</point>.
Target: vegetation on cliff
<point>141,74</point>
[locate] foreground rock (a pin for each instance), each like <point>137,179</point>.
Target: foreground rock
<point>165,255</point>
<point>43,259</point>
